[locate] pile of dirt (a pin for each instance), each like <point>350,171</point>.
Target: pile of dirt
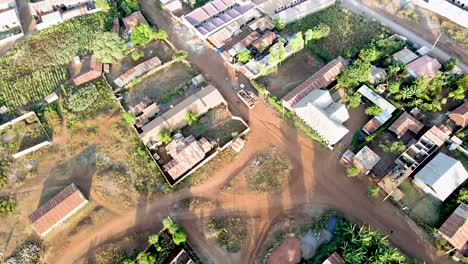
<point>288,252</point>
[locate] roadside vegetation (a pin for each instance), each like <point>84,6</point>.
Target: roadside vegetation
<point>229,231</point>
<point>36,66</point>
<point>267,171</point>
<point>7,206</point>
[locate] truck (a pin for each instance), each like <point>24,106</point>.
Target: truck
<point>248,98</point>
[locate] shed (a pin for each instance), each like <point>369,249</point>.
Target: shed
<point>376,74</point>
<point>88,70</point>
<point>405,56</point>
<point>441,176</point>
<point>197,80</point>
<point>460,115</point>
<point>134,19</point>
<point>455,228</point>
<point>51,98</point>
<point>366,159</point>
<point>57,209</point>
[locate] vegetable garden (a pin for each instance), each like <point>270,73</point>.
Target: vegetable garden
<point>35,67</point>
<point>349,32</point>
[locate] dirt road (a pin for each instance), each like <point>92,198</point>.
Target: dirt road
<point>359,8</point>
<point>316,177</point>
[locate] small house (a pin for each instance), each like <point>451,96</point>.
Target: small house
<point>424,66</point>
<point>56,210</point>
<point>377,74</point>
<point>366,159</point>
<point>455,229</point>
<point>460,115</point>
<point>405,56</point>
<point>87,70</point>
<point>441,176</point>
<point>134,19</point>
<point>405,123</point>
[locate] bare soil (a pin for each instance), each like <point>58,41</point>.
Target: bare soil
<point>292,72</point>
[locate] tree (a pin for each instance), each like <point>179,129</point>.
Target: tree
<point>109,47</point>
<point>129,6</point>
<point>179,55</point>
<point>450,64</point>
<point>179,236</point>
<point>393,87</point>
<point>104,5</point>
<point>369,54</point>
<point>243,56</point>
<point>373,191</point>
<point>353,100</point>
<point>354,74</point>
<point>317,32</point>
<point>373,110</point>
<point>279,25</point>
<point>352,171</point>
<point>141,34</point>
<point>297,43</point>
<point>137,54</point>
<point>160,35</point>
<point>191,118</point>
<point>164,136</point>
<point>278,53</point>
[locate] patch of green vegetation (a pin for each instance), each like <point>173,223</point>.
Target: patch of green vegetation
<point>268,172</point>
<point>456,33</point>
<point>35,67</point>
<point>79,99</point>
<point>230,232</point>
<point>348,31</point>
<point>166,97</point>
<point>7,205</point>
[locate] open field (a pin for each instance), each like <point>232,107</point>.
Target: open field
<point>349,32</point>
<point>158,85</point>
<point>291,73</point>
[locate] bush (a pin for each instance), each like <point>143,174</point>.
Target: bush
<point>396,147</point>
<point>141,34</point>
<point>179,55</point>
<point>109,47</point>
<point>353,100</point>
<point>373,110</point>
<point>7,205</point>
<point>79,99</point>
<point>243,56</point>
<point>137,54</point>
<point>409,14</point>
<point>450,64</point>
<point>373,191</point>
<point>164,136</point>
<point>279,24</point>
<point>129,6</point>
<point>352,171</point>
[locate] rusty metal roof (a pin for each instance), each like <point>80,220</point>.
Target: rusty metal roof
<point>57,209</point>
<point>404,123</point>
<point>455,228</point>
<point>460,115</point>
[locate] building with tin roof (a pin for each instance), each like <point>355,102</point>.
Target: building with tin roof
<point>460,115</point>
<point>455,229</point>
<point>405,123</point>
<point>424,66</point>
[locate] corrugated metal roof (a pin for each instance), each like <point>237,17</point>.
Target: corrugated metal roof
<point>134,19</point>
<point>404,123</point>
<point>321,79</point>
<point>57,209</point>
<point>137,71</point>
<point>455,228</point>
<point>405,56</point>
<point>424,66</point>
<point>366,158</point>
<point>460,115</point>
<point>334,258</point>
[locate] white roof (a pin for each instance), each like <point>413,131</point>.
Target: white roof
<point>378,100</point>
<point>441,176</point>
<point>445,9</point>
<point>173,5</point>
<point>367,158</point>
<point>324,116</point>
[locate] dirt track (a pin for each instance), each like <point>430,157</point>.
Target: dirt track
<point>316,177</point>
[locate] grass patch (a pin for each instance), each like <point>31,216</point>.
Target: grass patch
<point>230,232</point>
<point>267,172</point>
<point>349,32</point>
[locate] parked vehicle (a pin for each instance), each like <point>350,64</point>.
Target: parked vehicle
<point>248,98</point>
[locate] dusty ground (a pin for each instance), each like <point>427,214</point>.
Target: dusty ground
<point>316,177</point>
<point>291,73</point>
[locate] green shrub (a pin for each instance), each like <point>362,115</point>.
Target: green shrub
<point>129,6</point>
<point>191,118</point>
<point>179,55</point>
<point>243,56</point>
<point>164,136</point>
<point>137,54</point>
<point>373,110</point>
<point>79,99</point>
<point>7,205</point>
<point>352,171</point>
<point>373,191</point>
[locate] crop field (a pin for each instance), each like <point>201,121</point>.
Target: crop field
<point>349,32</point>
<point>35,67</point>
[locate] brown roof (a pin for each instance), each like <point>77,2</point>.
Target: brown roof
<point>89,70</point>
<point>289,252</point>
<point>404,123</point>
<point>134,19</point>
<point>245,42</point>
<point>455,228</point>
<point>264,41</point>
<point>57,209</point>
<point>115,26</point>
<point>186,153</point>
<point>371,126</point>
<point>137,71</point>
<point>321,79</point>
<point>424,66</point>
<point>334,258</point>
<point>460,115</point>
